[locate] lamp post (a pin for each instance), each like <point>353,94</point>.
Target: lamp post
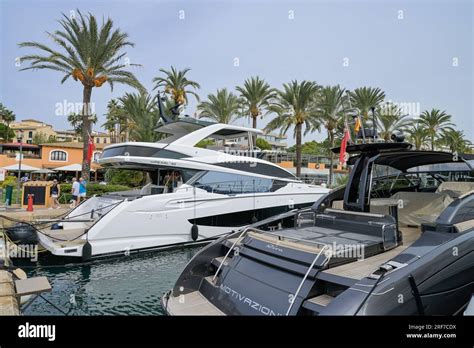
<point>20,140</point>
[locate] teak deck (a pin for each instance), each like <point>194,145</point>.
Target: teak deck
<point>363,268</point>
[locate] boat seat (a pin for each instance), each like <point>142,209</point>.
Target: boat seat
<point>337,228</point>
<point>464,226</point>
<point>362,227</point>
<point>416,207</point>
<point>457,187</point>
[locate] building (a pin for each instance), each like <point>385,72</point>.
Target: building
<point>67,136</point>
<point>60,154</point>
<point>72,136</point>
<point>34,131</point>
<point>32,128</point>
<point>46,156</point>
<point>277,141</point>
<point>102,137</point>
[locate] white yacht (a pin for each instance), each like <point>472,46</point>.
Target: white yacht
<point>194,194</point>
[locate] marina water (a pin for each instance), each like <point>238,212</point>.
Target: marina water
<point>127,285</point>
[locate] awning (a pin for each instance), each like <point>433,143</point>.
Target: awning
<point>24,168</point>
<point>71,168</point>
<point>43,171</point>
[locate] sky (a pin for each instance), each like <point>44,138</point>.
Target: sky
<point>419,52</point>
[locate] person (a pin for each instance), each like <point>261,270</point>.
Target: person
<point>24,178</point>
<point>178,180</point>
<point>168,185</point>
<point>55,191</point>
<point>75,191</point>
<point>82,189</point>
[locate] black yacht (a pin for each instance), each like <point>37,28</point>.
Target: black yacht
<point>398,239</point>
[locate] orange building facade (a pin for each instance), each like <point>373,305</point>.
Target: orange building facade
<point>46,156</point>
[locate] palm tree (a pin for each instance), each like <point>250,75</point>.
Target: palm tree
<point>222,107</point>
<point>296,106</point>
<point>110,124</point>
<point>455,140</point>
<point>86,53</point>
<point>8,117</point>
<point>434,122</point>
<point>76,121</point>
<point>175,84</point>
<point>3,111</point>
<point>256,96</point>
<point>116,121</point>
<point>366,98</point>
<point>390,120</point>
<point>417,135</point>
<point>331,109</point>
<point>142,116</point>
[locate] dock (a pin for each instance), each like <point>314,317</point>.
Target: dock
<point>15,287</point>
<point>23,215</point>
<point>9,304</point>
<point>8,300</point>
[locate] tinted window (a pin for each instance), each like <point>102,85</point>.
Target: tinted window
<point>258,168</point>
<point>226,183</point>
<point>141,151</point>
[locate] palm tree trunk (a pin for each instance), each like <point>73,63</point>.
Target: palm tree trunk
<point>298,149</point>
<point>331,162</point>
<point>86,130</point>
<point>254,121</point>
<point>127,132</point>
<point>432,143</point>
<point>254,125</point>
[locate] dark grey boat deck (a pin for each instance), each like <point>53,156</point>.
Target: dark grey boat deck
<point>322,236</point>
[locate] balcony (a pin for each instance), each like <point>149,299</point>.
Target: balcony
<point>13,155</point>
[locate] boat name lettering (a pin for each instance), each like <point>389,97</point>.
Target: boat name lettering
<point>161,162</point>
<point>244,299</point>
<point>271,246</point>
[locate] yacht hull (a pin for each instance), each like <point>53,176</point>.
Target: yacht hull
<point>165,220</point>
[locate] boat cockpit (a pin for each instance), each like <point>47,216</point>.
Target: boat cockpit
<point>393,195</point>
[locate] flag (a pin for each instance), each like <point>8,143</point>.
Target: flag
<point>90,149</point>
<point>357,124</point>
<point>342,152</point>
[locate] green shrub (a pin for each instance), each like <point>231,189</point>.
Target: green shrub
<point>205,143</point>
<point>262,144</point>
<point>92,189</point>
<point>9,181</point>
<point>131,178</point>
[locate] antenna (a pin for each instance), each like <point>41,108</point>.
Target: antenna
<point>165,119</point>
<point>374,125</point>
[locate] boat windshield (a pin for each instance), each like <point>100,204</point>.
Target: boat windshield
<point>227,183</point>
<point>388,180</point>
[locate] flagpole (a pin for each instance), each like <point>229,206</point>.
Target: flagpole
<point>346,123</point>
<point>346,138</point>
<point>360,120</point>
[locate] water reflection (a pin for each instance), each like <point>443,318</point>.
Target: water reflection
<point>131,285</point>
